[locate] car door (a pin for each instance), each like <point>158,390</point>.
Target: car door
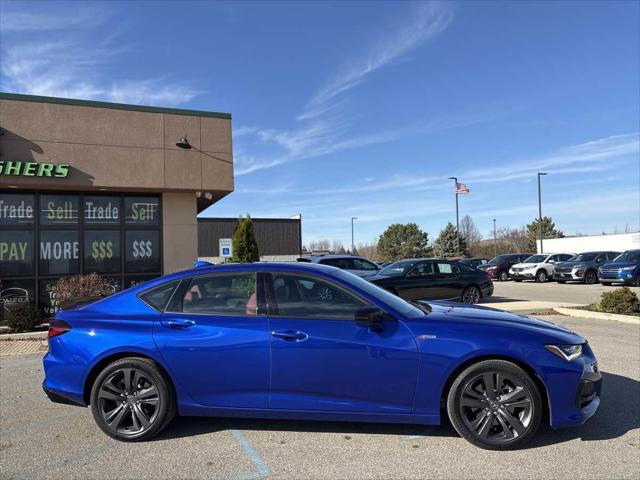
<point>215,340</point>
<point>449,279</point>
<point>420,283</point>
<point>323,361</point>
<point>362,267</point>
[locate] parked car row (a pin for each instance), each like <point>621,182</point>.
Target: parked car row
<point>470,279</point>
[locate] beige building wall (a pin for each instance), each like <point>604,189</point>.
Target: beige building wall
<point>114,147</point>
<point>180,231</point>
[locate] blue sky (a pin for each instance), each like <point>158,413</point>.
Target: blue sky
<point>362,109</point>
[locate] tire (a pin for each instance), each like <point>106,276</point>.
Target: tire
<point>494,422</point>
<point>471,295</point>
<point>541,276</point>
<point>590,277</point>
<point>503,276</point>
<point>146,415</point>
<point>606,284</point>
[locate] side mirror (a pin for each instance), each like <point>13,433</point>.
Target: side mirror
<point>370,317</point>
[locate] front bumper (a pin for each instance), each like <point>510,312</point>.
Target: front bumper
<point>487,289</point>
<point>522,274</point>
<point>622,277</point>
<point>568,275</point>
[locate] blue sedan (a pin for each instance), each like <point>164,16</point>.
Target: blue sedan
<point>308,341</point>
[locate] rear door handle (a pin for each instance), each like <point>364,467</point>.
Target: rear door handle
<point>178,323</point>
<point>291,335</point>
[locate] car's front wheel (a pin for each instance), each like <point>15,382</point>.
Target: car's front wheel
<point>494,404</point>
<point>131,399</point>
<point>590,277</point>
<point>504,276</point>
<point>541,276</point>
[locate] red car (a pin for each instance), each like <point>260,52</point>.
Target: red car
<point>498,267</point>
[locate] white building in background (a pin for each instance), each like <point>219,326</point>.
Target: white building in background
<point>616,242</point>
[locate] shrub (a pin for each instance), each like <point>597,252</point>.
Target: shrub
<point>77,289</point>
<point>621,300</point>
<point>23,317</point>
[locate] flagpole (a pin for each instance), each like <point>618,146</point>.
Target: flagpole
<point>455,182</point>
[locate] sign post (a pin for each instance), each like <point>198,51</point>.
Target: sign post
<point>225,248</point>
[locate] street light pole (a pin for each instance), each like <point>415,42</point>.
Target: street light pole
<point>353,245</point>
<point>495,239</point>
<point>455,182</point>
<point>540,211</point>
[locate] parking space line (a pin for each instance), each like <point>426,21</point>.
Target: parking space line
<point>254,456</point>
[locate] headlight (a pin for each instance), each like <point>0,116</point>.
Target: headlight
<point>529,267</point>
<point>630,267</point>
<point>566,352</point>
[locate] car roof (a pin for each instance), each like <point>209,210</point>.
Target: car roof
<point>330,255</point>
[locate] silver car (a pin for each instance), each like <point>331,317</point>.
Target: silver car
<point>357,265</point>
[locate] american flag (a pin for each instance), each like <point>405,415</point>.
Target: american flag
<point>461,189</point>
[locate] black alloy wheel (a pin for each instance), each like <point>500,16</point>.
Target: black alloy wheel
<point>504,276</point>
<point>541,276</point>
<point>132,400</point>
<point>590,277</point>
<point>471,294</point>
<point>495,405</point>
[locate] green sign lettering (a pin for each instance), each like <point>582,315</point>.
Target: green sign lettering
<point>34,169</point>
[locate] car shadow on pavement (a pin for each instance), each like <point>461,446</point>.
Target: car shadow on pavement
<point>618,414</point>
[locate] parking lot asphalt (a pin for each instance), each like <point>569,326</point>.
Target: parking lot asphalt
<point>39,439</point>
<point>511,291</point>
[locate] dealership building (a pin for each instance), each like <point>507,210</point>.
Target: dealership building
<point>101,187</point>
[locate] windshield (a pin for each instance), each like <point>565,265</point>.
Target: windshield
<point>499,259</point>
<point>583,257</point>
<point>388,298</point>
<point>630,256</point>
<point>398,268</point>
<point>536,259</point>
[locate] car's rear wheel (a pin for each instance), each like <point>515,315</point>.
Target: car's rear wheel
<point>541,276</point>
<point>471,294</point>
<point>590,277</point>
<point>131,399</point>
<point>503,277</point>
<point>495,405</point>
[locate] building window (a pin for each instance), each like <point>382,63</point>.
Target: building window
<point>44,236</point>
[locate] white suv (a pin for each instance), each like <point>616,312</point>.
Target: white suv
<point>538,267</point>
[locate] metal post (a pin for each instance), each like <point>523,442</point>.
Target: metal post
<point>455,182</point>
<point>495,239</point>
<point>540,211</point>
<point>353,246</point>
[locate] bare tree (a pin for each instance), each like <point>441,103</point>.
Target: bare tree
<point>368,250</point>
<point>323,244</point>
<point>470,232</point>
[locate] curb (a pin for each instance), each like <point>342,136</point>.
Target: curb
<point>635,320</point>
<point>6,337</point>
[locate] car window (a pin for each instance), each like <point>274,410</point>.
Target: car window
<point>342,263</point>
<point>223,294</point>
<point>422,270</point>
<point>361,264</point>
<point>444,267</point>
<point>158,297</point>
<point>564,257</point>
<point>310,297</point>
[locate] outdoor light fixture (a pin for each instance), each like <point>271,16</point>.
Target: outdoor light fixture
<point>184,143</point>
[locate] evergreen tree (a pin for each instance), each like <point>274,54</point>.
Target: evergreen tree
<point>548,231</point>
<point>402,241</point>
<point>245,247</point>
<point>446,245</point>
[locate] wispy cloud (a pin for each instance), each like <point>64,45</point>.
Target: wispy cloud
<point>322,131</point>
<point>429,19</point>
<point>74,66</point>
<point>583,157</point>
<point>82,16</point>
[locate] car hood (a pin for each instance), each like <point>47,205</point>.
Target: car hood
<point>379,276</point>
<point>525,265</point>
<point>620,264</point>
<point>486,266</point>
<point>478,314</point>
<point>571,264</point>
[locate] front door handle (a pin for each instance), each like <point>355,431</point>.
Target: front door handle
<point>178,323</point>
<point>291,335</point>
